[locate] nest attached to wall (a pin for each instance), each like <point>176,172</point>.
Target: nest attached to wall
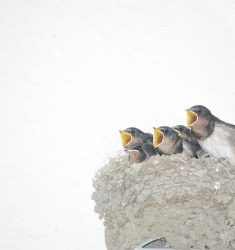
<point>190,203</point>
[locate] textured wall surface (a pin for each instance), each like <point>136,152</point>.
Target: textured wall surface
<point>190,203</point>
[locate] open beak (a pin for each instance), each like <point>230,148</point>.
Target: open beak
<point>158,137</point>
<point>125,137</point>
<point>192,117</point>
<point>177,131</point>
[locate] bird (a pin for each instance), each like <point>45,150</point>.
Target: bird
<point>140,152</point>
<point>184,132</point>
<point>190,143</point>
<point>132,136</point>
<point>214,135</point>
<point>149,149</point>
<point>167,141</point>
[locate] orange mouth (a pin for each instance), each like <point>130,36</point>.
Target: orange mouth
<point>192,118</point>
<point>125,137</point>
<point>158,137</point>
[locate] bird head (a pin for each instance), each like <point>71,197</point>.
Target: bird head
<point>183,131</point>
<point>164,135</point>
<point>200,119</point>
<point>131,136</point>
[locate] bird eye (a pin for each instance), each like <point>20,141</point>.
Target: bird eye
<point>166,131</point>
<point>199,112</point>
<point>139,148</point>
<point>181,129</point>
<point>132,132</point>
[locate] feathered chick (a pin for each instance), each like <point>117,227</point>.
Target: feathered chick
<point>190,143</point>
<point>167,141</point>
<point>133,136</point>
<point>214,135</point>
<point>140,152</point>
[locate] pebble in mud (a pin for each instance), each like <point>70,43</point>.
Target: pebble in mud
<point>190,203</point>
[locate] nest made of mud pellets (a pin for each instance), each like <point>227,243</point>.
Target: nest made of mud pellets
<point>190,203</point>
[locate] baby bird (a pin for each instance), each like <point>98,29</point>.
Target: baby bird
<point>215,136</point>
<point>137,143</point>
<point>167,141</point>
<point>190,143</point>
<point>133,136</point>
<point>140,152</point>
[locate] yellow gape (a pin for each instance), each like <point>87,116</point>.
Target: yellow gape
<point>125,137</point>
<point>158,137</point>
<point>191,118</point>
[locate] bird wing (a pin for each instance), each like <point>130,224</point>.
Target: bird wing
<point>149,149</point>
<point>228,131</point>
<point>189,149</point>
<point>218,121</point>
<point>148,137</point>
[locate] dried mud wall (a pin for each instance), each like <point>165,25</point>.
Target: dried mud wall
<point>190,203</point>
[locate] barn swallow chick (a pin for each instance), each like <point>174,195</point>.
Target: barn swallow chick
<point>184,132</point>
<point>140,152</point>
<point>136,153</point>
<point>149,149</point>
<point>215,136</point>
<point>133,136</point>
<point>190,143</point>
<point>167,141</point>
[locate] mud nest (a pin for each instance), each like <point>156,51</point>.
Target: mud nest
<point>190,203</point>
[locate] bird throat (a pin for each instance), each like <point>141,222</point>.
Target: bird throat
<point>202,128</point>
<point>169,147</point>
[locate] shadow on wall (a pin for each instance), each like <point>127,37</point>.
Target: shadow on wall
<point>189,203</point>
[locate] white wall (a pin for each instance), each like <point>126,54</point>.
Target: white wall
<point>75,72</point>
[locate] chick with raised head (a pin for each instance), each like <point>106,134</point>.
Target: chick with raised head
<point>214,135</point>
<point>190,143</point>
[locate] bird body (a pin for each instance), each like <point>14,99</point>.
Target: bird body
<point>136,154</point>
<point>148,148</point>
<point>215,136</point>
<point>140,152</point>
<point>190,148</point>
<point>221,143</point>
<point>190,143</point>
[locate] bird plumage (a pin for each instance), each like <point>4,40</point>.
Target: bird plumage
<point>190,143</point>
<point>214,135</point>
